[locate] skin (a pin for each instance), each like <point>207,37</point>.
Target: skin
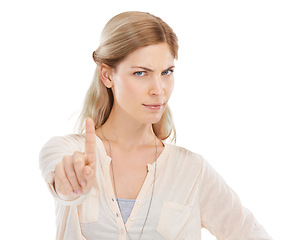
<point>76,174</point>
<point>142,85</point>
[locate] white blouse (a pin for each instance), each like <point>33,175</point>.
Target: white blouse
<point>189,194</point>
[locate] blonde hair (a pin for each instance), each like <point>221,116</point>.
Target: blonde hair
<point>123,34</point>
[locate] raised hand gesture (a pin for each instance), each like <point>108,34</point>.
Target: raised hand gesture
<point>75,175</point>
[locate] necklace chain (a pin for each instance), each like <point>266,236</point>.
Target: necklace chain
<point>116,189</point>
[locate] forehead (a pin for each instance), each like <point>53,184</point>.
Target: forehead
<point>152,56</point>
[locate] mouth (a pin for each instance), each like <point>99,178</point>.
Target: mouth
<point>155,106</point>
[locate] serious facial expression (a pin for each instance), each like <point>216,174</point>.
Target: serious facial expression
<point>143,82</point>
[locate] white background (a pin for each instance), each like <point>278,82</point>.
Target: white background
<point>232,101</point>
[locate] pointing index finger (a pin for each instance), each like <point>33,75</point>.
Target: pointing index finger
<point>90,142</point>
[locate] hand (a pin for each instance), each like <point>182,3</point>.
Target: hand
<point>76,174</point>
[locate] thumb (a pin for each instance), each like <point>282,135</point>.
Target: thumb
<point>88,172</point>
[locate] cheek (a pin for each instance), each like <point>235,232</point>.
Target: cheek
<point>125,89</point>
<point>170,87</point>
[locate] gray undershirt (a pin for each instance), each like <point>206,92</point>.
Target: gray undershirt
<point>126,206</point>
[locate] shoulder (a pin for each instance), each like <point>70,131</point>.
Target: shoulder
<point>185,157</point>
<point>183,152</point>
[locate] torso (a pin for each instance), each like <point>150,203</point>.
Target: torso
<point>129,178</point>
<point>130,167</point>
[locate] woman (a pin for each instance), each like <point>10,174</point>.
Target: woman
<point>121,180</point>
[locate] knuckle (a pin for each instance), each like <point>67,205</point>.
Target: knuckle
<point>78,160</point>
<point>67,158</point>
<point>77,154</point>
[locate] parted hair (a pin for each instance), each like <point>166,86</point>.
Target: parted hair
<point>123,34</point>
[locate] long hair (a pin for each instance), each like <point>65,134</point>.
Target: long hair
<point>123,34</point>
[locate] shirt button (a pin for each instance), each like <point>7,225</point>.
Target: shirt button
<point>113,199</point>
<point>117,214</point>
<point>122,231</point>
<point>138,201</point>
<point>132,218</point>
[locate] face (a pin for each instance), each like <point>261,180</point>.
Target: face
<point>143,82</point>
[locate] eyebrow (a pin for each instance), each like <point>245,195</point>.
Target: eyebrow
<point>150,70</point>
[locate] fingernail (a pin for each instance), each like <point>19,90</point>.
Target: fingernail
<point>88,171</point>
<point>78,192</point>
<point>82,183</point>
<point>72,193</point>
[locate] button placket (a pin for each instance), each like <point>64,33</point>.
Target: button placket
<point>138,202</point>
<point>113,201</point>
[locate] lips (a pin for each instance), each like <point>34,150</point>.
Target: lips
<point>154,106</point>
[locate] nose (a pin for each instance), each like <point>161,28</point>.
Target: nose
<point>157,87</point>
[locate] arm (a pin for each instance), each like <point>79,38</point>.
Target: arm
<point>52,154</point>
<point>222,212</point>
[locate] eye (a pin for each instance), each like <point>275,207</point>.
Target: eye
<point>168,72</point>
<point>140,73</point>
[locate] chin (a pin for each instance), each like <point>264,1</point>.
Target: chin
<point>153,120</point>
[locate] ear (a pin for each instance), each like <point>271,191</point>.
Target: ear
<point>106,75</point>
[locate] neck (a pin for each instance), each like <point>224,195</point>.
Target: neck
<point>128,132</point>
